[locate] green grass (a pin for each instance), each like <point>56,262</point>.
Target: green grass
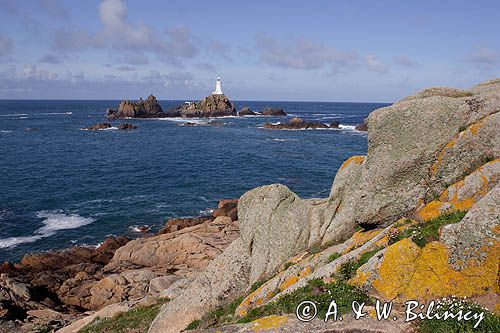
<point>288,265</point>
<point>333,256</point>
<point>426,232</point>
<point>316,291</point>
<point>194,325</point>
<point>490,323</point>
<point>256,286</point>
<point>320,247</point>
<point>136,320</point>
<point>349,268</point>
<point>220,316</point>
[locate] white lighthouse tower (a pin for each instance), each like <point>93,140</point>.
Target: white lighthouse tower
<point>218,88</point>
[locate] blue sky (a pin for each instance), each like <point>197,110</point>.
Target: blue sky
<point>263,50</point>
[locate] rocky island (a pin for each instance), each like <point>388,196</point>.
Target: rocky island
<point>417,218</point>
<point>211,106</point>
<point>149,108</point>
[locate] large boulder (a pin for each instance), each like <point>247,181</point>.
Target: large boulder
<point>228,207</point>
<point>273,226</point>
<point>190,248</point>
<point>210,106</point>
<point>404,168</point>
<point>179,223</point>
<point>149,108</point>
<point>222,281</point>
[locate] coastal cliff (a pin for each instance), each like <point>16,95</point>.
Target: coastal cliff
<point>417,218</point>
<point>379,228</point>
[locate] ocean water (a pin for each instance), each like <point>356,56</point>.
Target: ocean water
<point>61,185</point>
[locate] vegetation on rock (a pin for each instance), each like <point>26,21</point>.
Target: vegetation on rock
<point>136,320</point>
<point>426,232</point>
<point>490,323</point>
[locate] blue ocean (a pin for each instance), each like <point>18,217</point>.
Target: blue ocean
<point>61,185</point>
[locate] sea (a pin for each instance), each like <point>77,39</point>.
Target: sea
<point>62,185</point>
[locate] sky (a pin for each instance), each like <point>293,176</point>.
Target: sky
<point>358,51</point>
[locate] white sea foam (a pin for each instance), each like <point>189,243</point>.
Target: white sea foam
<point>13,114</point>
<point>281,140</point>
<point>207,211</point>
<point>347,127</point>
<point>54,113</point>
<point>186,120</point>
<point>53,222</point>
<point>5,131</point>
<point>112,128</point>
<point>23,117</point>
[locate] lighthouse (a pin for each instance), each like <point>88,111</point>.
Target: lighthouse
<point>218,88</point>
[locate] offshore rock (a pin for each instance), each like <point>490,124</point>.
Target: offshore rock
<point>271,111</point>
<point>362,127</point>
<point>245,111</point>
<point>150,108</point>
<point>126,126</point>
<point>297,123</point>
<point>210,106</point>
<point>99,127</point>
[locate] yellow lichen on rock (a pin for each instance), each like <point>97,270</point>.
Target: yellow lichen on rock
<point>359,238</point>
<point>475,127</point>
<point>288,282</point>
<point>408,272</point>
<point>295,278</point>
<point>256,297</point>
<point>439,158</point>
<point>353,159</point>
<point>430,211</point>
<point>269,323</point>
<point>360,278</point>
<point>463,194</point>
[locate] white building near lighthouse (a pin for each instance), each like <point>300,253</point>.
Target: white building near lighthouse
<point>218,88</point>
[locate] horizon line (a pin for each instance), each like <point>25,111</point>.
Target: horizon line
<point>184,100</point>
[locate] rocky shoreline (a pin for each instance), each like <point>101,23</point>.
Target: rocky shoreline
<point>417,218</point>
<point>52,289</point>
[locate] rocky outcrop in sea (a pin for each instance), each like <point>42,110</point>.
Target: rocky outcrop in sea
<point>272,111</point>
<point>105,126</point>
<point>210,106</point>
<point>245,111</point>
<point>299,123</point>
<point>149,108</point>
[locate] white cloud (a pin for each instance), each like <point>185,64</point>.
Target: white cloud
<point>135,39</point>
<point>404,60</point>
<point>374,64</point>
<point>303,54</point>
<point>30,81</point>
<point>6,46</point>
<point>484,57</point>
